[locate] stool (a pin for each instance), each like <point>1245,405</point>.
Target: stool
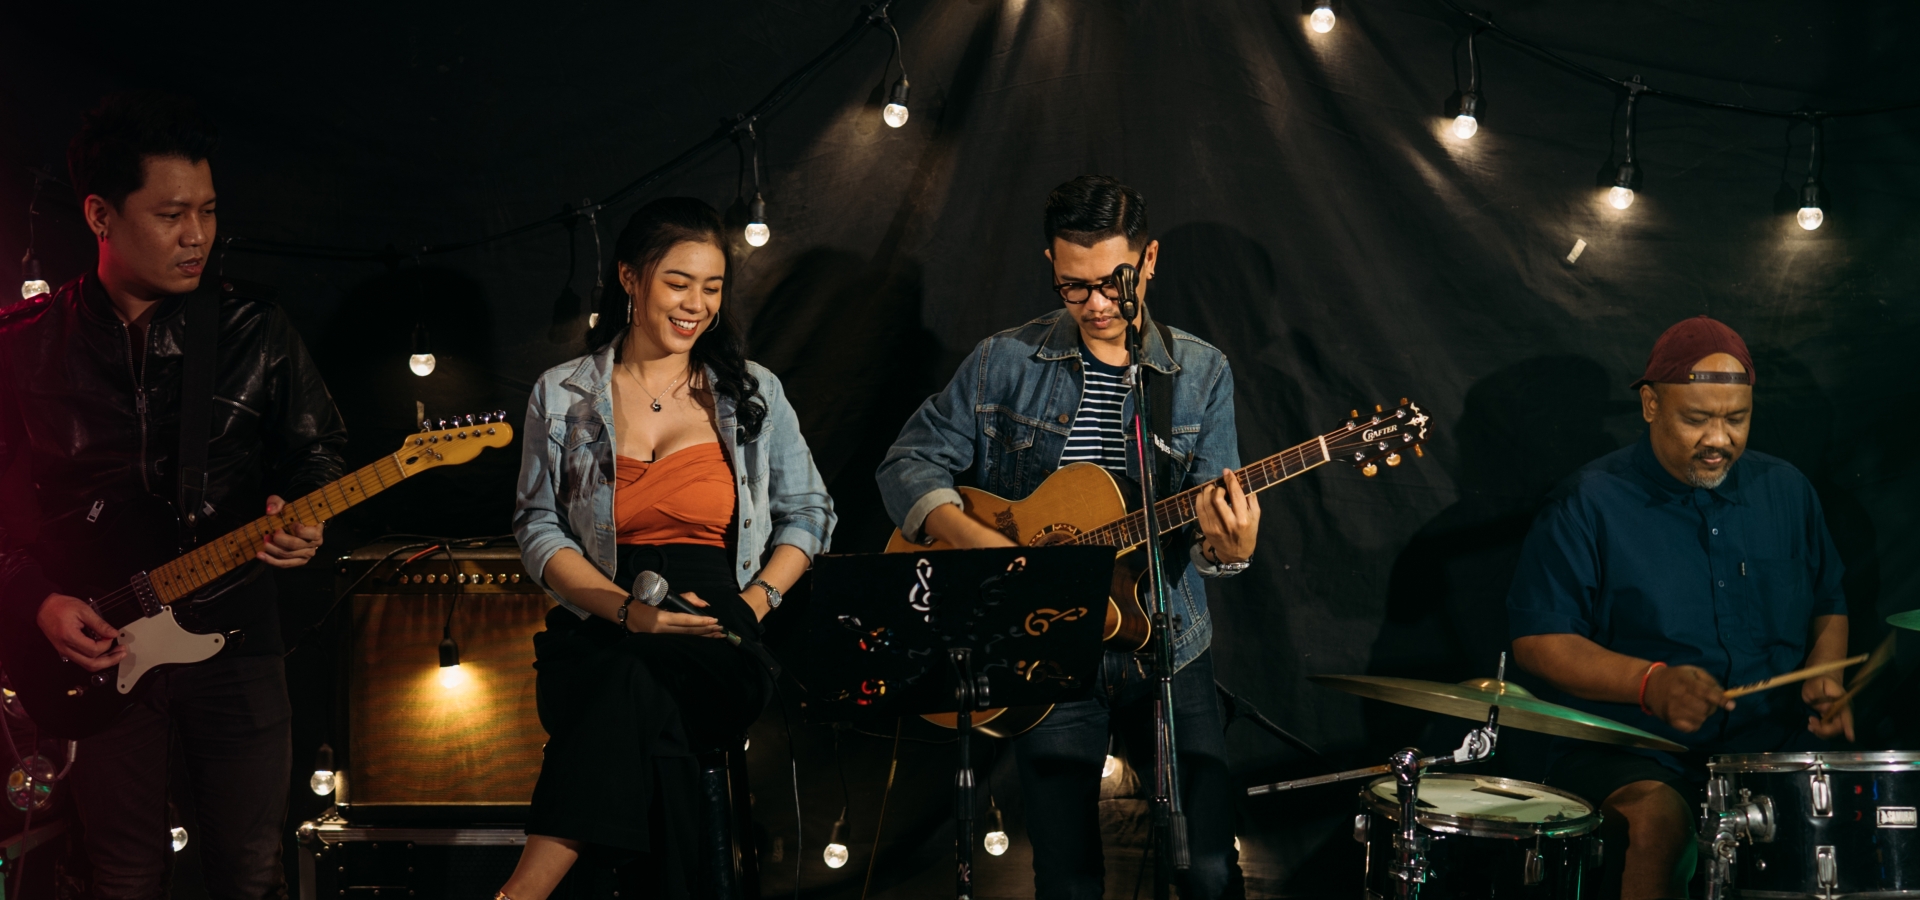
<point>729,866</point>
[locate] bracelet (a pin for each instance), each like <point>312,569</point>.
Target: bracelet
<point>1223,569</point>
<point>1643,686</point>
<point>622,616</point>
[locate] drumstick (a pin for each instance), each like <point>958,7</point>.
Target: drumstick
<point>1882,655</point>
<point>1792,677</point>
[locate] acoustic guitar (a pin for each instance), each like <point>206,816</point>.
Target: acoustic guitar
<point>1081,504</point>
<point>141,586</point>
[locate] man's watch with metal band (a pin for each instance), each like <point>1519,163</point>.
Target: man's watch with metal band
<point>1222,568</point>
<point>773,593</point>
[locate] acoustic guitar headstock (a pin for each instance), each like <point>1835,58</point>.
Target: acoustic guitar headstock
<point>451,442</point>
<point>1382,436</point>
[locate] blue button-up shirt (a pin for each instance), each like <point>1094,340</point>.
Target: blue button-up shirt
<point>1728,579</point>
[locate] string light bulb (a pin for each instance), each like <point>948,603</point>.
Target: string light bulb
<point>1467,123</point>
<point>996,840</point>
<point>177,837</point>
<point>896,111</point>
<point>1810,215</point>
<point>322,781</point>
<point>757,231</point>
<point>31,283</point>
<point>1620,196</point>
<point>1322,18</point>
<point>451,675</point>
<point>420,357</point>
<point>836,853</point>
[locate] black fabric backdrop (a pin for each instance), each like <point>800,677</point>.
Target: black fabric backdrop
<point>1317,223</point>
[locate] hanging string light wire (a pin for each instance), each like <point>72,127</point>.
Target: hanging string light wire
<point>895,113</point>
<point>870,16</point>
<point>1543,52</point>
<point>32,283</point>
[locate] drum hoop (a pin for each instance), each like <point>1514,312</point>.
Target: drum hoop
<point>1445,824</point>
<point>1853,761</point>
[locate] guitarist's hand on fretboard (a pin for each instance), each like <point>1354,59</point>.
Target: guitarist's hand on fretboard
<point>290,547</point>
<point>1230,519</point>
<point>78,633</point>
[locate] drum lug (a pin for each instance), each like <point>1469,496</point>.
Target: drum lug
<point>1360,828</point>
<point>1822,795</point>
<point>1826,869</point>
<point>1536,867</point>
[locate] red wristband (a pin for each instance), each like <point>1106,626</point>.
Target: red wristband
<point>1643,686</point>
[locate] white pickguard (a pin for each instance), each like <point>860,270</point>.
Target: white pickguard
<point>158,640</point>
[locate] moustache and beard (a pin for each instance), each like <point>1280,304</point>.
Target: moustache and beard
<point>1709,480</point>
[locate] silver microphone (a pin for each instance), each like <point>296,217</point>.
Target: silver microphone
<point>650,588</point>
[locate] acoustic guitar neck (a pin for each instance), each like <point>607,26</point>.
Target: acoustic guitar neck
<point>1130,531</point>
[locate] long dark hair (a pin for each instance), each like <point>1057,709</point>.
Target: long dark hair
<point>655,229</point>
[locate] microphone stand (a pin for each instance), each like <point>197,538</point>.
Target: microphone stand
<point>1170,820</point>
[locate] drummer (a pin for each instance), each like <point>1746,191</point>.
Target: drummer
<point>1663,571</point>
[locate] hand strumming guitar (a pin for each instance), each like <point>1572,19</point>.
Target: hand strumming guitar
<point>78,633</point>
<point>292,546</point>
<point>948,523</point>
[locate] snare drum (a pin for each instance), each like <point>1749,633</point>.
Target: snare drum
<point>1486,838</point>
<point>1826,825</point>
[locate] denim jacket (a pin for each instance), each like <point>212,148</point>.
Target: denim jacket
<point>565,495</point>
<point>1002,424</point>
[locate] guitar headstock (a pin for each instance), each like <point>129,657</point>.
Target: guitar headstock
<point>1383,436</point>
<point>451,442</point>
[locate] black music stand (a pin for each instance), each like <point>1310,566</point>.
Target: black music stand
<point>906,634</point>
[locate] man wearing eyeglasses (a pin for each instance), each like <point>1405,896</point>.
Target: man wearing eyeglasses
<point>1055,391</point>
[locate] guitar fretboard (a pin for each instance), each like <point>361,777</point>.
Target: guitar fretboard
<point>1130,531</point>
<point>215,558</point>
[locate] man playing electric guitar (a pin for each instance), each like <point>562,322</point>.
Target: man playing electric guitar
<point>1053,392</point>
<point>92,396</point>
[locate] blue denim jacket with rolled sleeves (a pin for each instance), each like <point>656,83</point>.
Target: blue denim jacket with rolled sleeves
<point>1003,422</point>
<point>565,494</point>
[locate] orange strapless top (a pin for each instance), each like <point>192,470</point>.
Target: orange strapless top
<point>685,497</point>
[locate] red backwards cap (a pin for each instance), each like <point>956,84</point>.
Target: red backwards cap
<point>1690,341</point>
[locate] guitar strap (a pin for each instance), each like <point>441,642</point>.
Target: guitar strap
<point>1166,472</point>
<point>200,347</point>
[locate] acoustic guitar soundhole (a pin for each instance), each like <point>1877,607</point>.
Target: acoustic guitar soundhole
<point>1057,533</point>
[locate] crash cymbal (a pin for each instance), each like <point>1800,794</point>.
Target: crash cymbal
<point>1519,708</point>
<point>1909,620</point>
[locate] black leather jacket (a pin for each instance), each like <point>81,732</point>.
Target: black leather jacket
<point>90,413</point>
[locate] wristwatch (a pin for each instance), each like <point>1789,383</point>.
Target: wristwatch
<point>773,593</point>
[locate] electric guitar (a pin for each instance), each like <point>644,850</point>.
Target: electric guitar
<point>1081,504</point>
<point>149,578</point>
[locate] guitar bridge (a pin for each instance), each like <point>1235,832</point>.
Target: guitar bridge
<point>150,604</point>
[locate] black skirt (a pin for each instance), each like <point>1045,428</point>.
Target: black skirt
<point>627,716</point>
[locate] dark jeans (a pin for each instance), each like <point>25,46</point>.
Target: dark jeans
<point>234,724</point>
<point>1060,760</point>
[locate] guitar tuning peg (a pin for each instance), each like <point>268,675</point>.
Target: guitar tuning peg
<point>469,420</point>
<point>1393,459</point>
<point>426,425</point>
<point>1369,470</point>
<point>443,425</point>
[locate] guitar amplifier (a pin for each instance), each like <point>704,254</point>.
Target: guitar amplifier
<point>433,744</point>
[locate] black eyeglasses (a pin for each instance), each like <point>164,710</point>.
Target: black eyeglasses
<point>1078,292</point>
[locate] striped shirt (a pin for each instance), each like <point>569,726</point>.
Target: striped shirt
<point>1098,434</point>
